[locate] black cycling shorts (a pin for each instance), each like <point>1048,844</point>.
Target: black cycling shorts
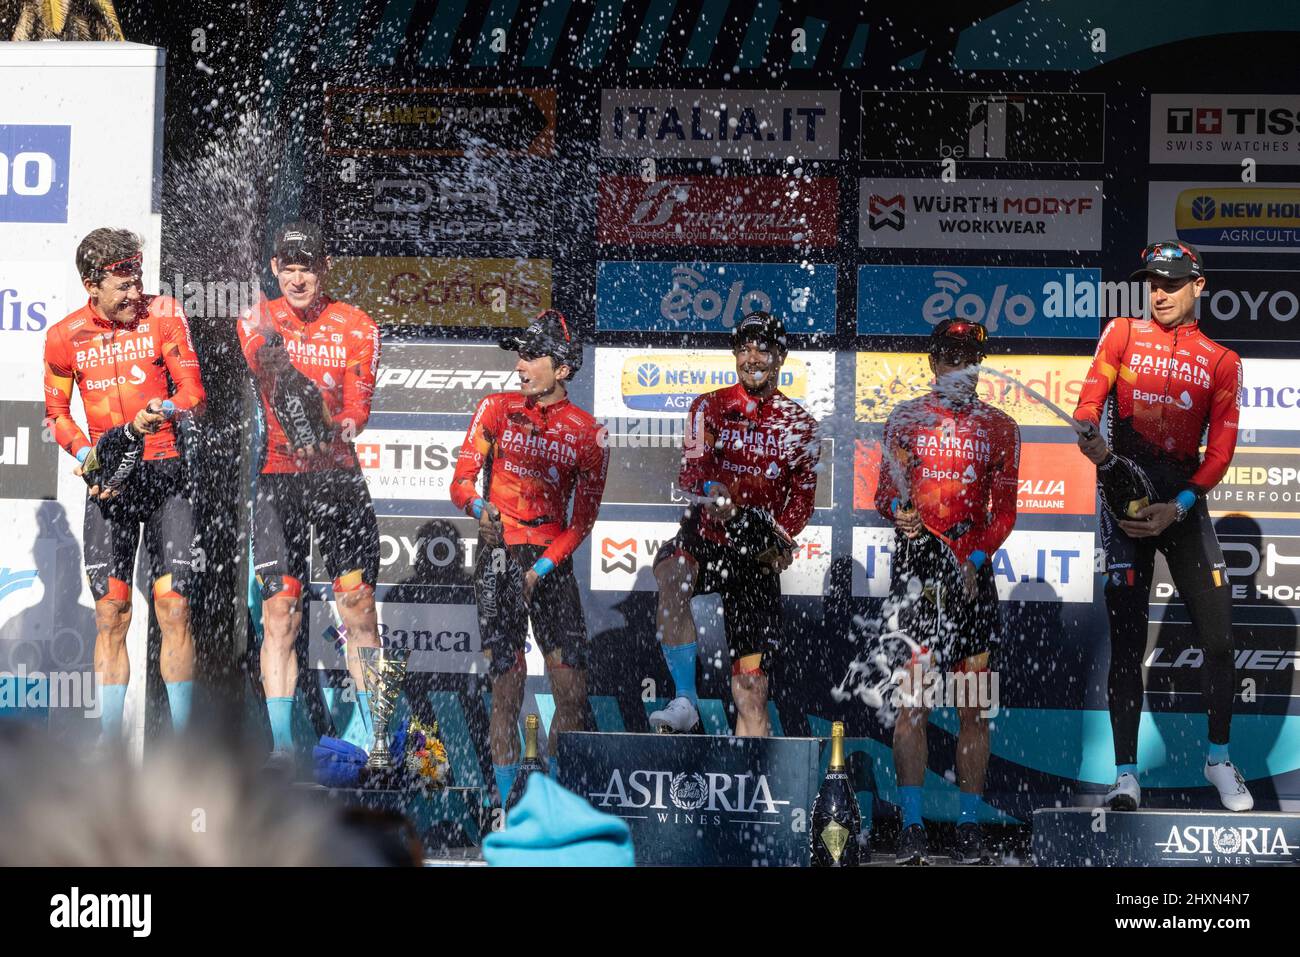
<point>155,497</point>
<point>750,591</point>
<point>927,589</point>
<point>337,503</point>
<point>555,613</point>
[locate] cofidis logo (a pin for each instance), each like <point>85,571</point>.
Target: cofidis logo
<point>667,382</point>
<point>1237,217</point>
<point>34,173</point>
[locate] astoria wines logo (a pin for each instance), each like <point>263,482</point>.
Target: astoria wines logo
<point>680,795</point>
<point>1230,845</point>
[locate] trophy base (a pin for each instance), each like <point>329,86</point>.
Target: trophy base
<point>382,779</point>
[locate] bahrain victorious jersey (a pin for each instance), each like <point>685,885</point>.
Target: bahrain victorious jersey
<point>118,369</point>
<point>962,464</point>
<point>1170,390</point>
<point>339,351</point>
<point>537,457</point>
<point>765,451</point>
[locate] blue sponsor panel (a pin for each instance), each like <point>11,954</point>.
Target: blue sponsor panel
<point>712,297</point>
<point>1010,301</point>
<point>34,173</point>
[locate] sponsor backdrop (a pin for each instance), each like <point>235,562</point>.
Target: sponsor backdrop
<point>656,174</point>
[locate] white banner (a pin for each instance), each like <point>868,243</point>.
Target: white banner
<point>748,124</point>
<point>622,557</point>
<point>408,464</point>
<point>1030,566</point>
<point>1270,394</point>
<point>979,214</point>
<point>70,161</point>
<point>1202,128</point>
<point>441,637</point>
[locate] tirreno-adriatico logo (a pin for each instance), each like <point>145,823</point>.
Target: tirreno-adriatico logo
<point>690,797</point>
<point>1212,844</point>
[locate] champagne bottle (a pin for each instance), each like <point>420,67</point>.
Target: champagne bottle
<point>529,765</point>
<point>836,821</point>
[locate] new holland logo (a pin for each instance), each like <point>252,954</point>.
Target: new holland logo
<point>618,556</point>
<point>1214,843</point>
<point>647,375</point>
<point>885,211</point>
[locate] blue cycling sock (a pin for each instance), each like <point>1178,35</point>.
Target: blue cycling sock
<point>1125,769</point>
<point>359,731</point>
<point>178,700</point>
<point>1218,753</point>
<point>681,665</point>
<point>553,768</point>
<point>911,797</point>
<point>505,775</point>
<point>280,711</point>
<point>112,701</point>
<point>970,807</point>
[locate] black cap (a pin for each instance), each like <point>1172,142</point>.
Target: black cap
<point>547,335</point>
<point>1170,259</point>
<point>959,335</point>
<point>300,244</point>
<point>760,327</point>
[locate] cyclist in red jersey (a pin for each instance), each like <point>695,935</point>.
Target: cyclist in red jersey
<point>131,358</point>
<point>1170,388</point>
<point>749,451</point>
<point>952,466</point>
<point>314,361</point>
<point>538,451</point>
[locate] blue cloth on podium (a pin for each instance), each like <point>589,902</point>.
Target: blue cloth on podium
<point>553,827</point>
<point>337,763</point>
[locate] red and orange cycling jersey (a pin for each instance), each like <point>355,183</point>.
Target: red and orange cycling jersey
<point>118,369</point>
<point>1170,390</point>
<point>765,451</point>
<point>962,465</point>
<point>538,456</point>
<point>339,351</point>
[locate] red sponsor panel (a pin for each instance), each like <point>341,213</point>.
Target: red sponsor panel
<point>1055,478</point>
<point>866,472</point>
<point>718,210</point>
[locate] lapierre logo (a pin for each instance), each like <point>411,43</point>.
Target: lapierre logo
<point>34,173</point>
<point>680,797</point>
<point>468,380</point>
<point>77,910</point>
<point>1209,844</point>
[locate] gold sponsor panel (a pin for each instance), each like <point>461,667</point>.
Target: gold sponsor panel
<point>422,291</point>
<point>885,379</point>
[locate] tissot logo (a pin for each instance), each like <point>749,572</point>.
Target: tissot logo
<point>665,790</point>
<point>1229,845</point>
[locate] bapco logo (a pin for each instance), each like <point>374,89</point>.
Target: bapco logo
<point>1203,208</point>
<point>885,211</point>
<point>647,375</point>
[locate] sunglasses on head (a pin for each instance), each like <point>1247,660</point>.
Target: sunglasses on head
<point>124,267</point>
<point>1166,251</point>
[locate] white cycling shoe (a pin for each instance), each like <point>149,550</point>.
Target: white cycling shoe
<point>1231,786</point>
<point>1125,794</point>
<point>679,717</point>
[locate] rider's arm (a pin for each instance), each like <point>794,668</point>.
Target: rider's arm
<point>59,375</point>
<point>359,376</point>
<point>698,464</point>
<point>587,493</point>
<point>802,497</point>
<point>1103,372</point>
<point>473,453</point>
<point>1002,501</point>
<point>181,360</point>
<point>1221,437</point>
<point>887,492</point>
